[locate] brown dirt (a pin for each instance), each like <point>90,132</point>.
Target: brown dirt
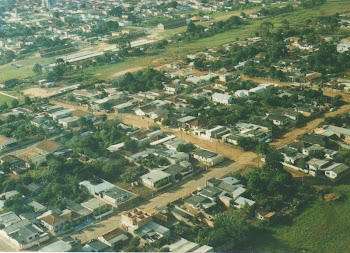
<point>131,70</point>
<point>41,92</point>
<point>330,197</point>
<point>239,156</point>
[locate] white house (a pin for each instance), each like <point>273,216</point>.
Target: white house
<point>207,157</point>
<point>5,142</point>
<point>221,98</point>
<point>156,179</point>
<point>337,171</point>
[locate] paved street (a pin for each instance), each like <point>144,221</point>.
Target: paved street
<point>5,247</point>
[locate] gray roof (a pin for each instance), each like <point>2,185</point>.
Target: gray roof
<point>93,204</point>
<point>117,192</point>
<point>155,175</point>
<point>174,169</point>
<point>75,207</point>
<point>59,246</point>
<point>339,130</point>
<point>338,168</point>
<point>195,200</point>
<point>205,153</point>
<point>98,245</point>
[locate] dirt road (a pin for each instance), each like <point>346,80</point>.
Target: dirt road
<point>131,70</point>
<point>239,156</point>
<point>292,135</point>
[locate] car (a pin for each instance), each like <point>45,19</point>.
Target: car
<point>268,140</point>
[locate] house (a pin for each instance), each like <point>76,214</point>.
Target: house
<point>241,202</point>
<point>312,77</point>
<point>173,88</point>
<point>14,162</point>
<point>64,245</point>
<point>178,157</point>
<point>221,98</point>
<point>113,237</point>
<point>337,171</point>
<point>265,216</point>
<point>134,219</point>
<point>171,24</point>
<point>279,120</point>
<point>215,132</point>
<point>344,45</point>
<point>208,158</point>
<point>341,132</point>
<point>316,165</point>
<point>53,221</point>
<point>6,142</point>
<point>156,179</point>
<point>96,246</point>
<point>51,147</point>
<point>69,122</point>
<point>152,232</point>
<point>20,233</point>
<point>107,191</point>
<point>124,107</point>
<point>314,139</point>
<point>197,203</point>
<point>184,245</point>
<point>178,172</point>
<point>94,205</point>
<point>174,143</point>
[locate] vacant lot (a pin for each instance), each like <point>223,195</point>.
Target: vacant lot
<point>321,227</point>
<point>41,92</point>
<point>6,99</point>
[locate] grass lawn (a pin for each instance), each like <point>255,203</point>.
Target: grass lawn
<point>5,99</point>
<point>320,227</point>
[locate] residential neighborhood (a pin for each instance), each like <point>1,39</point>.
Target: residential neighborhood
<point>174,126</point>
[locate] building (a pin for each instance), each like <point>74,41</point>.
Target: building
<point>184,245</point>
<point>107,191</point>
<point>49,4</point>
<point>156,179</point>
<point>51,147</point>
<point>221,98</point>
<point>172,24</point>
<point>344,45</point>
<point>208,158</point>
<point>337,171</point>
<point>20,233</point>
<point>65,245</point>
<point>6,142</point>
<point>53,221</point>
<point>113,237</point>
<point>134,219</point>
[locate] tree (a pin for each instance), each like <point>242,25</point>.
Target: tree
<point>38,69</point>
<point>166,122</point>
<point>274,161</point>
<point>134,242</point>
<point>262,148</point>
<point>130,145</point>
<point>247,143</point>
<point>109,170</point>
<point>71,98</point>
<point>27,100</point>
<point>104,117</point>
<point>15,103</point>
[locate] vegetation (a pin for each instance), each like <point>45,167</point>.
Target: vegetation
<point>143,80</point>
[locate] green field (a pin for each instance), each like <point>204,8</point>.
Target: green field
<point>320,227</point>
<point>5,99</point>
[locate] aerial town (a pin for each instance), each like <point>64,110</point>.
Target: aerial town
<point>175,126</point>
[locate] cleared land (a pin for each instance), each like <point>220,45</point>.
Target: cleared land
<point>320,227</point>
<point>41,92</point>
<point>6,99</point>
